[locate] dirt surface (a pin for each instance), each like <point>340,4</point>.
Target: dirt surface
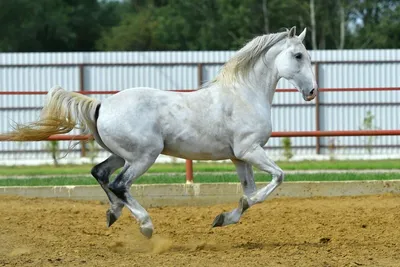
<point>356,231</point>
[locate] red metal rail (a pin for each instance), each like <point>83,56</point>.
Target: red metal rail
<point>70,137</point>
<point>335,133</point>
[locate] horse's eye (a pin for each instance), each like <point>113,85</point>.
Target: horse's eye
<point>298,55</point>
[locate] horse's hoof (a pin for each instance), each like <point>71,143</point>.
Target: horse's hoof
<point>244,204</point>
<point>111,218</point>
<point>218,221</point>
<point>147,232</point>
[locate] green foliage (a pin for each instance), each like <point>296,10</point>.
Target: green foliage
<point>54,25</point>
<point>143,25</point>
<point>331,148</point>
<point>287,148</point>
<point>53,148</point>
<point>378,24</point>
<point>93,150</point>
<point>368,124</point>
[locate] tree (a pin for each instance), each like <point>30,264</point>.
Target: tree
<point>135,32</point>
<point>76,25</point>
<point>376,24</point>
<point>199,25</point>
<point>30,26</point>
<point>53,25</point>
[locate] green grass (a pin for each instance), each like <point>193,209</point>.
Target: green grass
<point>200,178</point>
<point>341,165</point>
<point>205,167</point>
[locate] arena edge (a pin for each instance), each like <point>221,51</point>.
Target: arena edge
<point>155,195</point>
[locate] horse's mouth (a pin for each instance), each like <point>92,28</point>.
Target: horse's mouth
<point>310,97</point>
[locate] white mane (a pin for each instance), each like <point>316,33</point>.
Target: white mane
<point>245,59</point>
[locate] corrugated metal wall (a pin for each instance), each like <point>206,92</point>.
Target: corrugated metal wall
<point>179,70</point>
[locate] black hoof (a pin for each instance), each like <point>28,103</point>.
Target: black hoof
<point>218,221</point>
<point>111,218</point>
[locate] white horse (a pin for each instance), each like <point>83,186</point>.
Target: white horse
<point>229,118</point>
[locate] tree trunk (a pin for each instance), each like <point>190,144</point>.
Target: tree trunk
<point>265,15</point>
<point>342,25</point>
<point>313,25</point>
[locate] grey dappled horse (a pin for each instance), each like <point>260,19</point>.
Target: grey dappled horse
<point>228,118</point>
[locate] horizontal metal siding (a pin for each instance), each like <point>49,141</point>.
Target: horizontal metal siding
<point>38,78</point>
<point>296,118</point>
<point>351,118</point>
<point>356,75</point>
<point>122,77</point>
<point>182,57</point>
<point>210,71</point>
<point>289,113</point>
<point>348,75</point>
<point>31,79</point>
<point>355,55</point>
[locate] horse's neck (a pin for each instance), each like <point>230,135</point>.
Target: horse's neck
<point>261,83</point>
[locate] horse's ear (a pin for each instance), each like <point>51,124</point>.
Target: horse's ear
<point>303,34</point>
<point>292,32</point>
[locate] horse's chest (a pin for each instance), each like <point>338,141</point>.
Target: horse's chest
<point>264,131</point>
<point>256,129</point>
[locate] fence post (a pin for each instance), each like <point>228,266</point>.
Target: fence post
<point>189,171</point>
<point>82,88</point>
<point>317,112</point>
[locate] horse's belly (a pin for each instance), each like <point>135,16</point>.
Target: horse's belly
<point>198,152</point>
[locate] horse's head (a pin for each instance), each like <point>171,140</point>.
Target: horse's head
<point>294,64</point>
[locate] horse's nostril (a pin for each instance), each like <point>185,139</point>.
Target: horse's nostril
<point>312,91</point>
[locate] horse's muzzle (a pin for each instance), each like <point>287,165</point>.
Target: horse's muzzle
<point>311,95</point>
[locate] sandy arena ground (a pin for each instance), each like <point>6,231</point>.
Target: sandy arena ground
<point>357,231</point>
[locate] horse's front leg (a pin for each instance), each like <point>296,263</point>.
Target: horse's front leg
<point>258,158</point>
<point>246,177</point>
<point>245,172</point>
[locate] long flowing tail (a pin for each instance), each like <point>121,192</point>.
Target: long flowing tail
<point>62,112</point>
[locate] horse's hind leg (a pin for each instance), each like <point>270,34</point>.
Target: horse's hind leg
<point>120,187</point>
<point>102,173</point>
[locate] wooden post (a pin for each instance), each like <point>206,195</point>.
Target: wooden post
<point>189,171</point>
<point>82,88</point>
<point>317,112</point>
